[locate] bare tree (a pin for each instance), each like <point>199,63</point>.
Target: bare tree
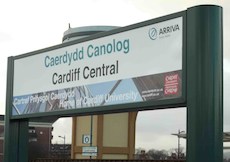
<point>180,155</point>
<point>157,154</point>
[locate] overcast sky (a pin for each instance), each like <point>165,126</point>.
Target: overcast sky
<point>26,26</point>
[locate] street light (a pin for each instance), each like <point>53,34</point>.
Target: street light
<point>179,132</point>
<point>63,137</point>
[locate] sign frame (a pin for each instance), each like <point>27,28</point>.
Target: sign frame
<point>136,106</point>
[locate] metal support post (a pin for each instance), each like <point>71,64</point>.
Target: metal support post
<point>204,84</point>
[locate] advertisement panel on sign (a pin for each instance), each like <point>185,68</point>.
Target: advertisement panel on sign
<point>133,66</point>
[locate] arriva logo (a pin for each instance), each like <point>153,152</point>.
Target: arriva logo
<point>163,32</point>
<point>153,33</point>
<point>169,29</point>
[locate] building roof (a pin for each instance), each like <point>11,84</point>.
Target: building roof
<point>84,31</point>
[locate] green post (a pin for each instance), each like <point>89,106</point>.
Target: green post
<point>16,131</point>
<point>205,84</point>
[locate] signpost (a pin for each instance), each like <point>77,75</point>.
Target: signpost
<point>205,81</point>
<point>171,61</point>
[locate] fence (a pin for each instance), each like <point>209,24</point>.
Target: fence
<point>100,160</point>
